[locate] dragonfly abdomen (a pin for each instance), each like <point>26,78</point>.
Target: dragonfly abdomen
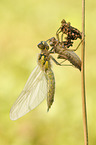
<point>51,87</point>
<point>45,65</point>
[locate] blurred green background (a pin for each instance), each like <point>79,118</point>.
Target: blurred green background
<point>23,24</point>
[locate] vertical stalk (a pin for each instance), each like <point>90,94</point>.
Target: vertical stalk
<point>83,76</point>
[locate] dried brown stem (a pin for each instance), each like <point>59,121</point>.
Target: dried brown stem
<point>83,77</point>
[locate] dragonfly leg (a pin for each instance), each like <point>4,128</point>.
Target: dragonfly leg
<point>60,63</point>
<point>57,33</point>
<point>62,37</point>
<point>51,50</point>
<point>77,46</point>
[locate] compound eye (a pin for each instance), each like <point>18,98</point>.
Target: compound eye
<point>41,45</point>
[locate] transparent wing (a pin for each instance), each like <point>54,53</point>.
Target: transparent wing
<point>33,94</point>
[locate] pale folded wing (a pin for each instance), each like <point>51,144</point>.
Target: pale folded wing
<point>34,92</point>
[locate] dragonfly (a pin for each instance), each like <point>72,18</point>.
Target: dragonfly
<point>39,86</point>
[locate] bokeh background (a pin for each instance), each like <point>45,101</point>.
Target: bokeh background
<point>23,24</point>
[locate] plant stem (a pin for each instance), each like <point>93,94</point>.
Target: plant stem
<point>83,76</point>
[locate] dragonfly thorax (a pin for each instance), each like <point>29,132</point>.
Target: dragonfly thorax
<point>44,61</point>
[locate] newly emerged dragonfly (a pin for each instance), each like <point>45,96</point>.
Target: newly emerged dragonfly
<point>40,85</point>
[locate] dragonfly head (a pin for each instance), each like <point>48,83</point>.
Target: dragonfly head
<point>43,45</point>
